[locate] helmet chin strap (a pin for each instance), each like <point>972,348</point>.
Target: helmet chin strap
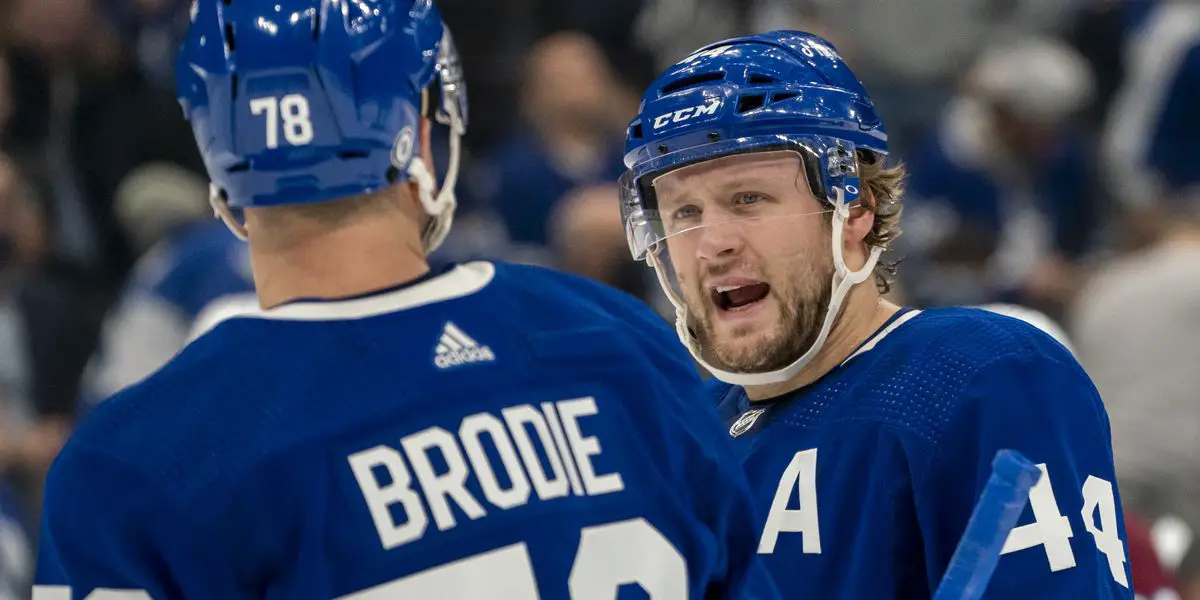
<point>843,281</point>
<point>440,208</point>
<point>222,210</point>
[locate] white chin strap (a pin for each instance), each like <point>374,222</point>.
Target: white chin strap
<point>439,207</point>
<point>843,280</point>
<point>221,208</point>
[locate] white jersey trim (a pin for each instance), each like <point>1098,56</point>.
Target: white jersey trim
<point>874,341</point>
<point>463,280</point>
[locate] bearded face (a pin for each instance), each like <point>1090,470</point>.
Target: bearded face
<point>793,310</point>
<point>750,256</point>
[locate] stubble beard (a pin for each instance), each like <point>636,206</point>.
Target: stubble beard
<point>803,313</point>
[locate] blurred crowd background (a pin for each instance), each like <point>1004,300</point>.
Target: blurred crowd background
<point>1053,145</point>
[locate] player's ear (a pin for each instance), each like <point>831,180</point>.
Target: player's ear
<point>862,217</point>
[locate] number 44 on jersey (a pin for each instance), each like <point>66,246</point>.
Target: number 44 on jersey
<point>1049,530</point>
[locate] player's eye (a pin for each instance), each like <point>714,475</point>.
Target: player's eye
<point>683,217</point>
<point>748,198</point>
<point>682,213</point>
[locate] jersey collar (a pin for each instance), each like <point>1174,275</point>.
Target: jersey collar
<point>462,280</point>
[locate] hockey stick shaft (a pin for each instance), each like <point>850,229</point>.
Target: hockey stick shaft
<point>1003,499</point>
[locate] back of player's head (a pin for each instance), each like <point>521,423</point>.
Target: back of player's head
<point>308,101</point>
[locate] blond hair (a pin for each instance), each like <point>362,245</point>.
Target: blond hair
<point>885,186</point>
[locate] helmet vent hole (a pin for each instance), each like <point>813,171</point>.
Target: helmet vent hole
<point>781,96</point>
<point>316,25</point>
<point>636,130</point>
<point>688,82</point>
<point>751,102</point>
<point>756,78</point>
<point>241,167</point>
<point>230,45</point>
<point>351,154</point>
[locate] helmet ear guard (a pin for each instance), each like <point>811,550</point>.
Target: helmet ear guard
<point>443,101</point>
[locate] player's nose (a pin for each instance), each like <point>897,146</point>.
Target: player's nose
<point>719,240</point>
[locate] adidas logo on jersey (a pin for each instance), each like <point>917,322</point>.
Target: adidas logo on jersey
<point>457,348</point>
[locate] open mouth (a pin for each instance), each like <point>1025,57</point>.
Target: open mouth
<point>739,297</point>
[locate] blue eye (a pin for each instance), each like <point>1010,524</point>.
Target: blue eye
<point>746,198</point>
<point>685,212</point>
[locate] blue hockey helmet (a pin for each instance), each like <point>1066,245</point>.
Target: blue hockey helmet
<point>306,101</point>
<point>775,91</point>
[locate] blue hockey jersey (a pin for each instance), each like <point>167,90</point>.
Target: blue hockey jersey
<point>169,289</point>
<point>865,480</point>
<point>494,431</point>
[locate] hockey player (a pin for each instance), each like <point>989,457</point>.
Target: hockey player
<point>381,431</point>
<point>757,188</point>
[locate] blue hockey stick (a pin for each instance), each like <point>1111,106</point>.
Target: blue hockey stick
<point>996,513</point>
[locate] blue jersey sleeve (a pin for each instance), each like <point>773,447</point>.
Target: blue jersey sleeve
<point>106,527</point>
<point>1070,540</point>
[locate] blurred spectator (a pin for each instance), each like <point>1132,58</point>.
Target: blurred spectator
<point>46,309</point>
<point>6,97</point>
<point>491,38</point>
<point>1152,144</point>
<point>1100,31</point>
<point>803,15</point>
<point>612,24</point>
<point>1001,203</point>
<point>16,551</point>
<point>672,29</point>
<point>1136,325</point>
<point>925,41</point>
<point>588,238</point>
<point>576,113</point>
<point>193,262</point>
<point>158,199</point>
<point>48,319</point>
<point>1151,579</point>
<point>155,28</point>
<point>20,247</point>
<point>88,116</point>
<point>910,53</point>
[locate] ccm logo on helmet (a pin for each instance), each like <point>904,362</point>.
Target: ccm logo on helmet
<point>684,114</point>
